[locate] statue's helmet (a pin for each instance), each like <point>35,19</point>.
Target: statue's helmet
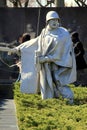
<point>52,15</point>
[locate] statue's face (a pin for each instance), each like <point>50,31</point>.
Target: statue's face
<point>53,23</point>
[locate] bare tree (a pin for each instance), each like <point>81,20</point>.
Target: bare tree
<point>81,3</point>
<point>17,3</point>
<point>39,3</point>
<point>58,3</point>
<point>49,2</point>
<point>14,2</point>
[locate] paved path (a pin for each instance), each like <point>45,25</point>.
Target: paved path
<point>8,120</point>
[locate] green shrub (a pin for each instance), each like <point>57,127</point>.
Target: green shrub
<point>51,114</point>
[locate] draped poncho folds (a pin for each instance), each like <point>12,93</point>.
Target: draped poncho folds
<point>58,47</point>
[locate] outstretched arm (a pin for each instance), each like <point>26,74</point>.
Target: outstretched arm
<point>4,49</point>
<point>18,48</point>
<point>7,49</point>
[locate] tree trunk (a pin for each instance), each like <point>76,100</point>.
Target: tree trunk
<point>59,3</point>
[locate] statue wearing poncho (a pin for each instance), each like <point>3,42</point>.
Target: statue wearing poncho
<point>56,61</point>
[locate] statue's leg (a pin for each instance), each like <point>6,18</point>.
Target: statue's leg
<point>56,84</point>
<point>43,84</point>
<point>67,93</point>
<point>60,89</point>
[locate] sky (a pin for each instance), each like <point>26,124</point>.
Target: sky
<point>67,2</point>
<point>70,3</point>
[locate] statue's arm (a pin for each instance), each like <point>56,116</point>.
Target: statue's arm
<point>9,50</point>
<point>4,49</point>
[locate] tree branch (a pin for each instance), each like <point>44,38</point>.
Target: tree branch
<point>81,3</point>
<point>39,3</point>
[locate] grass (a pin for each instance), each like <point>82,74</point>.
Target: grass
<point>51,114</point>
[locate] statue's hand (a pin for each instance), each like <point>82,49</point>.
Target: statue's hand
<point>43,59</point>
<point>12,50</point>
